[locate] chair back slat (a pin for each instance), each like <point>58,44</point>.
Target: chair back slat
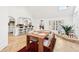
<point>52,44</point>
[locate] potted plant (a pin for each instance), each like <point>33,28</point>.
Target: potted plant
<point>67,29</point>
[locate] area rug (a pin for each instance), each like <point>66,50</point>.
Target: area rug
<point>33,47</point>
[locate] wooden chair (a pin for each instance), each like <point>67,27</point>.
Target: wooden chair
<point>50,43</point>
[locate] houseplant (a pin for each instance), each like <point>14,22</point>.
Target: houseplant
<point>67,29</point>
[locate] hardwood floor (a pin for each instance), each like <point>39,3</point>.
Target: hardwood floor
<point>18,42</point>
<point>63,45</point>
<point>15,43</point>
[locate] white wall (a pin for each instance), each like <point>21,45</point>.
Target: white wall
<point>3,27</point>
<point>18,11</point>
<point>68,20</point>
<point>38,13</point>
<point>51,13</point>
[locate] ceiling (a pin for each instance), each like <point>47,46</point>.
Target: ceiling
<point>49,11</point>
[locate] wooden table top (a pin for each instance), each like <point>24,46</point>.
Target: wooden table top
<point>41,35</point>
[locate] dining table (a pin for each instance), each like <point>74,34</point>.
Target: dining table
<point>40,36</point>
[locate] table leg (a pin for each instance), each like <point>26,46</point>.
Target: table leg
<point>40,45</point>
<point>28,40</point>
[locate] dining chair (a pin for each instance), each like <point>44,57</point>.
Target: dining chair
<point>50,43</point>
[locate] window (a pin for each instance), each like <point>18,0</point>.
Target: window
<point>63,7</point>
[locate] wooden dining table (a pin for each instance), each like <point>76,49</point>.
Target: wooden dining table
<point>40,36</point>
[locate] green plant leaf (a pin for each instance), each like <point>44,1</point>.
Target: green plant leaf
<point>67,29</point>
